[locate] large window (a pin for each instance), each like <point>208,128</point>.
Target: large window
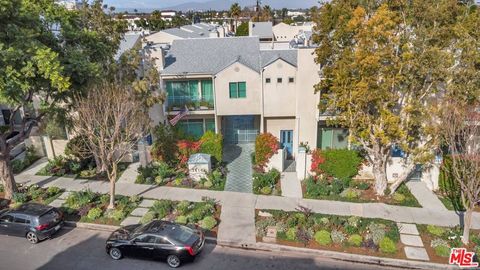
<point>332,138</point>
<point>195,128</point>
<point>193,93</point>
<point>238,90</point>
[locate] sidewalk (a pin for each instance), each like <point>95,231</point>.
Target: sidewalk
<point>237,226</point>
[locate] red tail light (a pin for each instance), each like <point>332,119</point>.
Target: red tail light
<point>41,227</point>
<point>190,250</point>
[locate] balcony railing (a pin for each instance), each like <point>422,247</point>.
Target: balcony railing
<point>193,103</point>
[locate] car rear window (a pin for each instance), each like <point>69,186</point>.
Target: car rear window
<point>49,216</point>
<point>181,233</point>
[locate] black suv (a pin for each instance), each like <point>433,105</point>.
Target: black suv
<point>156,240</point>
<point>34,221</point>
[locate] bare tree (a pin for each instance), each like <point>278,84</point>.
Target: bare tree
<point>461,134</point>
<point>112,121</point>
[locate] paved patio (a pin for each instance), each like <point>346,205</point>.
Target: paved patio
<point>239,165</point>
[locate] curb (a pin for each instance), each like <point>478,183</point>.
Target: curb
<point>111,228</point>
<point>348,257</point>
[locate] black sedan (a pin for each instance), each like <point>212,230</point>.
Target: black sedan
<point>156,240</point>
<point>33,221</point>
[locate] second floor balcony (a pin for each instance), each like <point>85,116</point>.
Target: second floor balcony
<point>178,103</point>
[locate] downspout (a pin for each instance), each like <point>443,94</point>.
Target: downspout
<point>262,109</point>
<point>217,130</point>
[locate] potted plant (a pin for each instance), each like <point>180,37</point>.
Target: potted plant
<point>204,105</point>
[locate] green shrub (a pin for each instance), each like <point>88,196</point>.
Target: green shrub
<point>53,191</point>
<point>149,216</point>
<point>165,145</point>
<point>362,185</point>
<point>398,197</point>
<point>336,186</point>
<point>208,223</point>
<point>2,189</point>
<point>442,251</point>
<point>435,230</point>
<point>208,184</point>
<point>386,245</point>
<point>350,193</point>
<point>448,186</point>
<point>181,219</point>
<point>18,197</point>
<point>78,199</point>
<point>163,170</point>
<point>355,240</point>
<point>341,163</point>
<point>323,237</point>
<point>262,180</point>
<point>212,144</point>
<point>316,189</point>
<point>17,165</point>
<point>337,236</point>
<point>393,233</point>
<point>94,213</point>
<point>183,207</point>
<point>266,190</point>
<point>162,208</point>
<point>291,234</point>
<point>377,232</point>
<point>266,145</point>
<point>116,214</point>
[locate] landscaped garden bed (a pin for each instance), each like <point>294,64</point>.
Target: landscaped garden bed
<point>160,173</point>
<point>30,157</point>
<point>333,179</point>
<point>365,236</point>
<point>91,207</point>
<point>31,193</point>
<point>171,153</point>
<point>439,240</point>
<point>205,214</point>
<point>81,169</point>
<point>267,183</point>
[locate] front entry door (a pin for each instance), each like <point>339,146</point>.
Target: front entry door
<point>286,140</point>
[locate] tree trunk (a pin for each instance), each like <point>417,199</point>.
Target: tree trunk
<point>100,167</point>
<point>467,223</point>
<point>403,177</point>
<point>380,175</point>
<point>112,176</point>
<point>51,146</point>
<point>6,174</point>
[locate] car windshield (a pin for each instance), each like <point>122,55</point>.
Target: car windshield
<point>181,233</point>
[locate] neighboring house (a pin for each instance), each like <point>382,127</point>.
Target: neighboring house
<point>262,30</point>
<point>198,30</point>
<point>232,87</point>
<point>128,42</point>
<point>286,33</point>
<point>168,15</point>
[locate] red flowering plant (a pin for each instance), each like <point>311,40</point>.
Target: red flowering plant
<point>187,148</point>
<point>317,160</point>
<point>266,145</point>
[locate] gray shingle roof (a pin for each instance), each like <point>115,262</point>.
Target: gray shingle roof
<point>181,33</point>
<point>270,56</point>
<point>211,55</point>
<point>126,44</point>
<point>262,29</point>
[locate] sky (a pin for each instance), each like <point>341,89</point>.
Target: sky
<point>149,4</point>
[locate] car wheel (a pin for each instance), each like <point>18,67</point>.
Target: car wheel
<point>32,237</point>
<point>115,253</point>
<point>173,261</point>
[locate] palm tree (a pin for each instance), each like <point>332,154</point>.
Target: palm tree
<point>235,11</point>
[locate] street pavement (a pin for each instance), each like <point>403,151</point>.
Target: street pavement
<point>74,249</point>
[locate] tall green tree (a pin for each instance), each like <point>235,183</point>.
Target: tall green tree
<point>384,68</point>
<point>155,21</point>
<point>48,53</point>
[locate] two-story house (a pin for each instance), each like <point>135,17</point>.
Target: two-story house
<point>231,86</point>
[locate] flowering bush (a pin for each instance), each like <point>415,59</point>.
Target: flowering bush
<point>266,145</point>
<point>187,148</point>
<point>317,160</point>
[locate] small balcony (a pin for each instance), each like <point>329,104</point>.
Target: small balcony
<point>177,103</point>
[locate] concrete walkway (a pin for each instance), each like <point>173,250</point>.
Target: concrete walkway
<point>239,165</point>
<point>130,174</point>
<point>291,186</point>
<point>425,196</point>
